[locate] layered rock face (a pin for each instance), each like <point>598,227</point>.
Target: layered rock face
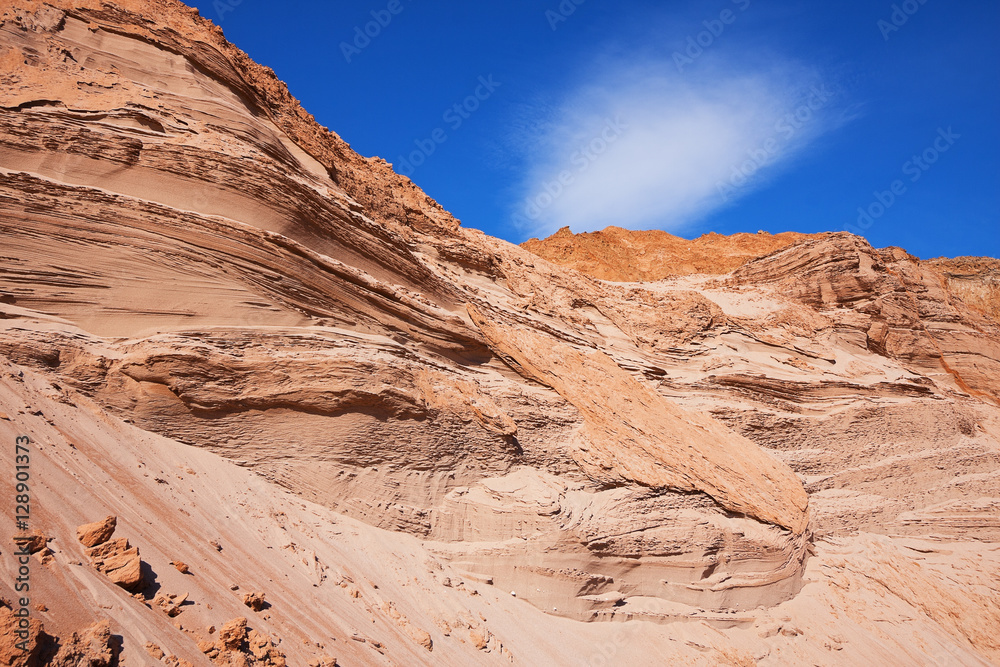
<point>283,366</point>
<point>633,256</point>
<point>976,280</point>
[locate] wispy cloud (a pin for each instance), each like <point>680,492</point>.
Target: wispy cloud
<point>688,144</point>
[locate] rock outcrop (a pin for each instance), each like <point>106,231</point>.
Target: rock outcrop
<point>901,306</point>
<point>34,541</point>
<point>283,364</point>
<point>640,256</point>
<point>239,645</point>
<point>95,647</point>
<point>632,434</point>
<point>28,645</point>
<point>23,643</point>
<point>976,280</point>
<point>120,561</point>
<point>98,532</point>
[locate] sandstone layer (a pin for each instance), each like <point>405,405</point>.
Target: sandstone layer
<point>368,433</point>
<point>976,280</point>
<point>624,255</point>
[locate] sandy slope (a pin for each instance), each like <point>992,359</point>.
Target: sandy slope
<point>331,580</point>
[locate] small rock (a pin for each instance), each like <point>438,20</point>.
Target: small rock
<point>181,566</point>
<point>170,603</point>
<point>35,541</point>
<point>479,638</point>
<point>421,637</point>
<point>768,629</point>
<point>789,630</point>
<point>325,661</point>
<point>255,601</point>
<point>233,634</point>
<point>94,646</point>
<point>97,533</point>
<point>154,650</point>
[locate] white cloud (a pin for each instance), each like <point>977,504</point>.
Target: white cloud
<point>682,148</point>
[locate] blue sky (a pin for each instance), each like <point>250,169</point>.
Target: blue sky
<point>725,115</point>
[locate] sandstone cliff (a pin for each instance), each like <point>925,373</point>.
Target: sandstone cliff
<point>636,256</point>
<point>282,366</point>
<point>621,255</point>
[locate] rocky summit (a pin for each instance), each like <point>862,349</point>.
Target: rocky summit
<point>282,408</point>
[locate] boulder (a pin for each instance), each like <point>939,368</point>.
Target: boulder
<point>34,540</point>
<point>255,601</point>
<point>99,532</point>
<point>120,562</point>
